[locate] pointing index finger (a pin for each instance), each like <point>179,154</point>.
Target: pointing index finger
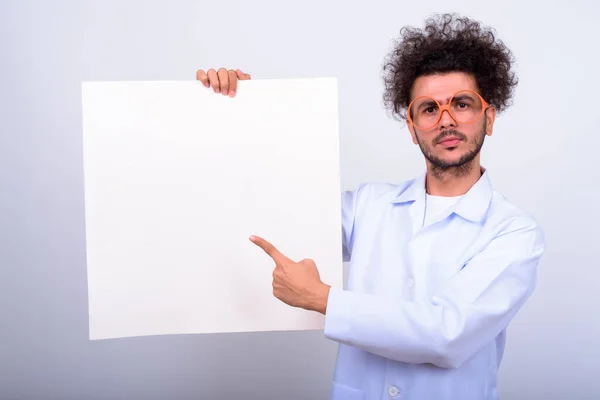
<point>269,249</point>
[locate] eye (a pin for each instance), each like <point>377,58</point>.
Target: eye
<point>462,105</point>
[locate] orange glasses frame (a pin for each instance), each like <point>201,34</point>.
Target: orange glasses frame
<point>485,105</point>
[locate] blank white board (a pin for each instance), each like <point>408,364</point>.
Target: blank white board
<point>176,180</point>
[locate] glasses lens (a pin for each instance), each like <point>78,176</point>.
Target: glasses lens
<point>465,107</point>
<point>424,112</point>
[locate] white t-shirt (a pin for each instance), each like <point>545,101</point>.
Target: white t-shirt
<point>436,205</point>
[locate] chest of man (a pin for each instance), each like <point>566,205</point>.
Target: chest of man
<point>400,254</point>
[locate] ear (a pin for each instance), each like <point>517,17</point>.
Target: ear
<point>413,132</point>
<point>490,116</point>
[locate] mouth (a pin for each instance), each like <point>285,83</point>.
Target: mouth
<point>449,141</point>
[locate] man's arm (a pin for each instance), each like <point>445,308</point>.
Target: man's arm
<point>349,205</point>
<point>477,304</point>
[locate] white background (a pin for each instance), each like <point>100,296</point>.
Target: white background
<point>542,156</point>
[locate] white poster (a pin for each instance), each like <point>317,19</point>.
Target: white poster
<point>176,180</point>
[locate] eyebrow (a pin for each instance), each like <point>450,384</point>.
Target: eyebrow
<point>447,100</point>
<point>464,96</point>
<point>428,103</point>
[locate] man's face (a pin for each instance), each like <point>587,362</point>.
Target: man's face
<point>450,144</point>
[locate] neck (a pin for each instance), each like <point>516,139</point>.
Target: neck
<point>454,181</point>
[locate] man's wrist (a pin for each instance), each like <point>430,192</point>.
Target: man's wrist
<point>320,298</point>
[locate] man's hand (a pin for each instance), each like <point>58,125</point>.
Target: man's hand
<point>222,81</point>
<point>297,284</point>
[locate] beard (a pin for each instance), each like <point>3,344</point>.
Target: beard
<point>464,164</point>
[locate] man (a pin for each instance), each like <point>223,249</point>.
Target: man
<point>439,264</point>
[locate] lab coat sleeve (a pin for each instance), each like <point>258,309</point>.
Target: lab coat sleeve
<point>349,208</point>
<point>474,307</point>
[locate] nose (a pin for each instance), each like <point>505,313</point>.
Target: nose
<point>446,120</point>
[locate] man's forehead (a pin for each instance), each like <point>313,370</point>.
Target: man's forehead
<point>443,86</point>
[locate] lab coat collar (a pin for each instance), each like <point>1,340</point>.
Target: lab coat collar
<point>472,206</point>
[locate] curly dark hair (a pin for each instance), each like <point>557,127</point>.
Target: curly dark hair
<point>448,43</point>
